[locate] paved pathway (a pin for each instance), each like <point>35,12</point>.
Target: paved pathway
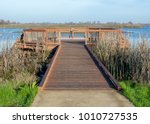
<point>80,98</point>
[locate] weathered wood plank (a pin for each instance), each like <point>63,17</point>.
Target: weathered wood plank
<point>74,69</point>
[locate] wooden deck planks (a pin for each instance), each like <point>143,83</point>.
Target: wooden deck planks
<point>74,69</point>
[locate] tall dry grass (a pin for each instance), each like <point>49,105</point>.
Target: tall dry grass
<point>19,73</point>
<point>131,63</point>
<point>21,66</point>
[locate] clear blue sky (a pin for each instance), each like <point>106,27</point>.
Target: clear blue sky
<point>75,10</point>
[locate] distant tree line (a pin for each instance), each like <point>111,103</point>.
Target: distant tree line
<point>129,24</point>
<point>7,22</point>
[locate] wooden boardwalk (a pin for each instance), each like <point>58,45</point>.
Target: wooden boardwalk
<point>74,68</point>
<point>74,79</point>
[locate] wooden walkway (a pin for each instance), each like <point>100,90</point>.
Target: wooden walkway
<point>74,68</point>
<point>74,79</point>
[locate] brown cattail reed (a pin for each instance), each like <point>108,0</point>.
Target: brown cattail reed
<point>132,63</point>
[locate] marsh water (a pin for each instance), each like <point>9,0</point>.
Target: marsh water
<point>9,35</point>
<point>136,34</point>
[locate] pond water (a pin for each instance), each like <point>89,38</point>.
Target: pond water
<point>67,35</point>
<point>136,34</point>
<point>9,35</point>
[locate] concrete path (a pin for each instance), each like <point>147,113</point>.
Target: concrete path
<point>80,98</point>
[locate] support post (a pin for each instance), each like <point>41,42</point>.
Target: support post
<point>99,37</point>
<point>46,40</point>
<point>86,38</point>
<point>59,37</point>
<point>72,34</point>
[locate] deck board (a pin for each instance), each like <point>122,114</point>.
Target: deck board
<point>74,69</point>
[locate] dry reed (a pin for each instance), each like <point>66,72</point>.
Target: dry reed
<point>131,63</point>
<point>19,65</point>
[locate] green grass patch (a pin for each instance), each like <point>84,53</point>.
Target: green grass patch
<point>138,94</point>
<point>20,96</point>
<point>20,71</point>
